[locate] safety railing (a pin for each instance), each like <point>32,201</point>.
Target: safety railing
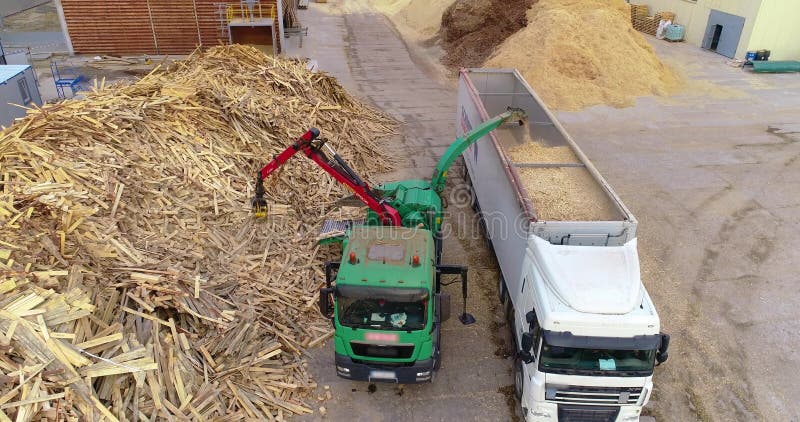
<point>245,13</point>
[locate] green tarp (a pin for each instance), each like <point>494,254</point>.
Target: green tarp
<point>776,66</point>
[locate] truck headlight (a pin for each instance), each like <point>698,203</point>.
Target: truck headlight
<point>630,414</point>
<point>540,412</point>
<point>423,376</point>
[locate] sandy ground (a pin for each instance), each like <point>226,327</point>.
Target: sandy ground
<point>30,15</point>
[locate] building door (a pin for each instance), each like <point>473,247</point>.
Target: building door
<point>260,37</point>
<point>723,33</point>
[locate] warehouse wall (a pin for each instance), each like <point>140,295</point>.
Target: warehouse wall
<point>777,29</point>
<point>143,26</point>
<point>694,16</point>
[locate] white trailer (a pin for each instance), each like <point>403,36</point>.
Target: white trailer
<point>586,332</point>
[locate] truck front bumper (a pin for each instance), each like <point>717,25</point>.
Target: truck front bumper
<point>419,371</point>
<point>549,412</point>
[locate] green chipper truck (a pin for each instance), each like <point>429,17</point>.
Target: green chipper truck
<point>384,296</point>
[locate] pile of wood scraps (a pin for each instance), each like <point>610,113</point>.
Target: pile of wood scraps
<point>134,282</point>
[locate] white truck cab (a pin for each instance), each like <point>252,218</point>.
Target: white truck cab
<point>588,333</point>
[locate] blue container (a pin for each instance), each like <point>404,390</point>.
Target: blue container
<point>674,32</point>
<point>750,56</point>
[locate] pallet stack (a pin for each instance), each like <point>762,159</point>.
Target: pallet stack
<point>134,282</point>
<point>638,11</point>
<point>643,22</point>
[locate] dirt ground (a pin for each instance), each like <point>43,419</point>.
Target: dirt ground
<point>39,18</point>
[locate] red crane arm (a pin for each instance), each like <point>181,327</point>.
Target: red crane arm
<point>288,153</point>
<point>334,166</point>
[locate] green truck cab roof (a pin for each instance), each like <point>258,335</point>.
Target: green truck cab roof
<point>384,256</point>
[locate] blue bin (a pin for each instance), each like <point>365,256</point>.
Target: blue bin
<point>750,56</point>
<point>674,32</point>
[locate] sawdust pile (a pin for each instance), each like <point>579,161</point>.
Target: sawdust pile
<point>134,282</point>
<point>472,29</point>
<point>561,193</point>
<point>578,53</point>
<point>422,17</point>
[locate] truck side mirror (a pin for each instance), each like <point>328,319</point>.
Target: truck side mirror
<point>444,306</point>
<point>663,350</point>
<point>527,344</point>
<point>331,271</point>
<point>527,341</point>
<point>326,302</point>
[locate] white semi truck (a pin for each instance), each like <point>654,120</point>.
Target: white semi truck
<point>586,333</point>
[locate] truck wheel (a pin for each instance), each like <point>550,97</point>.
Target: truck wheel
<point>510,318</point>
<point>485,231</point>
<point>501,289</point>
<point>519,379</point>
<point>438,363</point>
<point>473,198</point>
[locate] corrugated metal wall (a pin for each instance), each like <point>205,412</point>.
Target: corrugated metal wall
<point>144,26</point>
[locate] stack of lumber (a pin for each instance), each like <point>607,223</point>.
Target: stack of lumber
<point>134,282</point>
<point>638,11</point>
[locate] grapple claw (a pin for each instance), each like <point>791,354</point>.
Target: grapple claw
<point>260,207</point>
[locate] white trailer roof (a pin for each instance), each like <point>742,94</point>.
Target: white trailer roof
<point>10,70</point>
<point>590,279</point>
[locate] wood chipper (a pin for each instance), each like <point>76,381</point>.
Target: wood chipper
<point>384,296</point>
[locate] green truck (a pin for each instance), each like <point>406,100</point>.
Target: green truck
<point>384,297</point>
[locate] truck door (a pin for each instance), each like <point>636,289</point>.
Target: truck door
<point>521,306</point>
<point>524,304</point>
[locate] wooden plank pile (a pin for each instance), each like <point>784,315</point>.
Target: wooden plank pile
<point>134,282</point>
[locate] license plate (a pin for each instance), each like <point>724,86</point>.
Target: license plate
<point>384,337</point>
<point>382,375</point>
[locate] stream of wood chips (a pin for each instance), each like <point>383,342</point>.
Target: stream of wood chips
<point>134,282</point>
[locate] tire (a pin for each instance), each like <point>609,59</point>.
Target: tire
<point>512,326</point>
<point>438,363</point>
<point>519,379</point>
<point>485,231</point>
<point>473,196</point>
<point>502,292</point>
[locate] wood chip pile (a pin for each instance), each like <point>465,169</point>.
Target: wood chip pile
<point>134,282</point>
<point>561,193</point>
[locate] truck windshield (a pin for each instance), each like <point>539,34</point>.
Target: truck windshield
<point>383,310</point>
<point>572,360</point>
